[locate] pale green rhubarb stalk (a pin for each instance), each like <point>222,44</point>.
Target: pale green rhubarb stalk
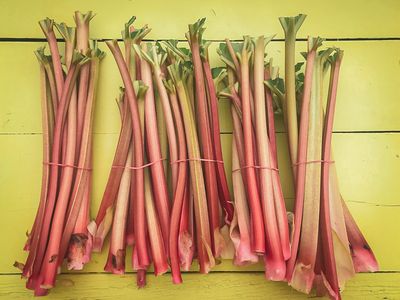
<point>203,235</point>
<point>290,26</point>
<point>302,154</point>
<point>241,236</point>
<point>179,191</point>
<point>159,181</point>
<point>194,37</point>
<point>116,256</point>
<point>253,194</point>
<point>304,270</point>
<point>139,217</point>
<point>277,238</point>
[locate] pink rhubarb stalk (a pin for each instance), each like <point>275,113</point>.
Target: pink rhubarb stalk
<point>194,37</point>
<point>180,190</point>
<point>203,235</point>
<point>223,190</point>
<point>139,218</point>
<point>302,156</point>
<point>258,242</point>
<point>275,267</point>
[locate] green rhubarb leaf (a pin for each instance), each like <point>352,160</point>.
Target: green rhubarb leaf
<point>178,52</point>
<point>143,54</point>
<point>81,18</point>
<point>292,24</point>
<point>197,29</point>
<point>127,28</point>
<point>95,51</point>
<point>217,71</point>
<point>68,33</point>
<point>41,56</point>
<point>298,66</point>
<point>140,89</point>
<point>137,35</point>
<point>46,25</point>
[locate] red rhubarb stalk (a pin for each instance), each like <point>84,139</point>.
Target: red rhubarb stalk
<point>222,183</point>
<point>242,238</point>
<point>84,162</point>
<point>60,203</point>
<point>139,218</point>
<point>159,181</point>
<point>194,37</point>
<point>302,155</point>
<point>82,45</point>
<point>250,174</point>
<point>363,258</point>
<point>304,270</point>
<point>47,28</point>
<point>327,246</point>
<point>169,122</point>
<point>116,257</point>
<point>275,266</point>
<point>179,193</point>
<point>33,237</point>
<point>157,244</point>
<point>203,236</point>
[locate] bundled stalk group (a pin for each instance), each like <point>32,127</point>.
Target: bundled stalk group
<point>167,194</point>
<point>327,247</point>
<point>68,91</point>
<point>167,225</point>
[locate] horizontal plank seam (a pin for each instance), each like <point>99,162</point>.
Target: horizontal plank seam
<point>192,272</point>
<point>230,132</point>
<point>331,39</point>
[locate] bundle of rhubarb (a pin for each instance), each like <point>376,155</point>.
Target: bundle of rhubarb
<point>68,90</point>
<point>167,194</point>
<point>327,247</point>
<point>262,225</point>
<point>169,133</point>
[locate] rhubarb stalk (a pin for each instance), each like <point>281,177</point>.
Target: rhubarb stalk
<point>290,26</point>
<point>203,236</point>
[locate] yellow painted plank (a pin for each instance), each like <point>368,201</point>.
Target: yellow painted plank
<point>216,286</point>
<point>367,166</point>
<point>355,18</point>
<point>368,88</point>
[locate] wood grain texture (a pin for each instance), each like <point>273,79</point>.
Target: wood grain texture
<point>216,286</point>
<point>368,166</point>
<point>373,98</point>
<point>356,18</point>
<point>368,163</point>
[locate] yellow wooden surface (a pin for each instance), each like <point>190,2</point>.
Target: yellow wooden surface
<point>342,18</point>
<point>366,143</point>
<point>216,286</point>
